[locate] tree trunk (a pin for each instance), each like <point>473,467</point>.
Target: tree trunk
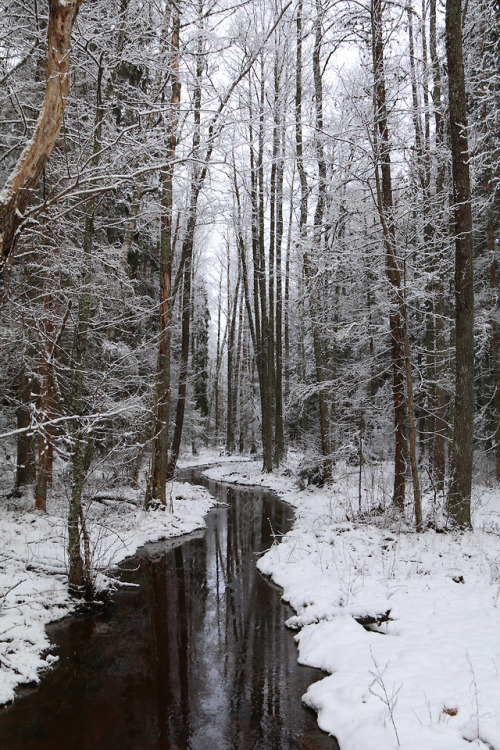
<point>46,401</point>
<point>260,326</point>
<point>440,345</point>
<point>231,380</point>
<point>495,353</point>
<point>393,272</point>
<point>279,446</point>
<point>459,494</point>
<point>25,466</point>
<point>159,451</point>
<point>16,195</point>
<point>318,234</point>
<point>185,335</point>
<point>79,573</point>
<point>265,294</point>
<point>197,180</point>
<point>78,581</point>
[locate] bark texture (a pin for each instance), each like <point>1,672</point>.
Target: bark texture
<point>17,192</point>
<point>459,494</point>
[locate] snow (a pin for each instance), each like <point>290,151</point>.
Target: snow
<point>426,679</point>
<point>429,678</point>
<point>33,572</point>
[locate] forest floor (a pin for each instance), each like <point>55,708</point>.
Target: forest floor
<point>427,678</point>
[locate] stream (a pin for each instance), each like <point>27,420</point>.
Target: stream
<point>195,657</point>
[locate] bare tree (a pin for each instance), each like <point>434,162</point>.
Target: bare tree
<point>459,494</point>
<point>16,194</point>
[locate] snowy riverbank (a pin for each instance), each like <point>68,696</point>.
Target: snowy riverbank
<point>429,678</point>
<point>33,572</point>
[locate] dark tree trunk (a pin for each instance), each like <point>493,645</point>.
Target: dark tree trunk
<point>495,349</point>
<point>318,231</point>
<point>198,178</point>
<point>440,363</point>
<point>25,467</point>
<point>159,451</point>
<point>459,494</point>
<point>79,573</point>
<point>392,267</point>
<point>46,400</point>
<point>231,377</point>
<point>398,323</point>
<point>185,336</point>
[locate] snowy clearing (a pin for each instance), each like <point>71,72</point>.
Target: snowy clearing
<point>427,679</point>
<point>33,565</point>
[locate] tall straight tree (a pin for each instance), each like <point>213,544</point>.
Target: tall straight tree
<point>398,323</point>
<point>459,493</point>
<point>440,425</point>
<point>393,271</point>
<point>159,453</point>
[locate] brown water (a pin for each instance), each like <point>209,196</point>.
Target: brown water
<point>195,658</point>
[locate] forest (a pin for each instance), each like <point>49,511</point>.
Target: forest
<point>261,229</point>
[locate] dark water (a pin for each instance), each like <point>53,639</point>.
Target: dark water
<point>196,658</point>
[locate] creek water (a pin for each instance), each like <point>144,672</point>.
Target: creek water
<point>194,657</point>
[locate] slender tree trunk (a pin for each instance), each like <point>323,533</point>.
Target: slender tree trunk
<point>424,178</point>
<point>265,297</point>
<point>400,342</point>
<point>494,342</point>
<point>78,580</point>
<point>318,234</point>
<point>197,179</point>
<point>156,491</point>
<point>231,379</point>
<point>261,323</point>
<point>287,306</point>
<point>184,363</point>
<point>275,280</point>
<point>45,438</point>
<point>239,371</point>
<point>440,424</point>
<point>79,571</point>
<point>218,361</point>
<point>279,447</point>
<point>25,463</point>
<point>392,269</point>
<point>490,235</point>
<point>459,494</point>
<point>46,400</point>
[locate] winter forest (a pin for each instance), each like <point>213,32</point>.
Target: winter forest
<point>263,236</point>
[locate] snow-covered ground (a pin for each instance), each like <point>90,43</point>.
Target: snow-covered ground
<point>427,679</point>
<point>33,564</point>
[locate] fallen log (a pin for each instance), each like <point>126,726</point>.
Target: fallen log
<point>367,620</point>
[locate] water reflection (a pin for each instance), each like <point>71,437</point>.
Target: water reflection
<point>197,658</point>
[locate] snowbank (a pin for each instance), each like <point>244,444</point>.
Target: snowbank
<point>33,573</point>
<point>429,677</point>
<point>426,679</point>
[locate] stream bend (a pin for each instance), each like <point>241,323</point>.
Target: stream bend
<point>196,657</point>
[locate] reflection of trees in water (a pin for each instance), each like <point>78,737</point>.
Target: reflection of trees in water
<point>213,622</point>
<point>177,594</point>
<point>197,657</point>
<point>254,661</point>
